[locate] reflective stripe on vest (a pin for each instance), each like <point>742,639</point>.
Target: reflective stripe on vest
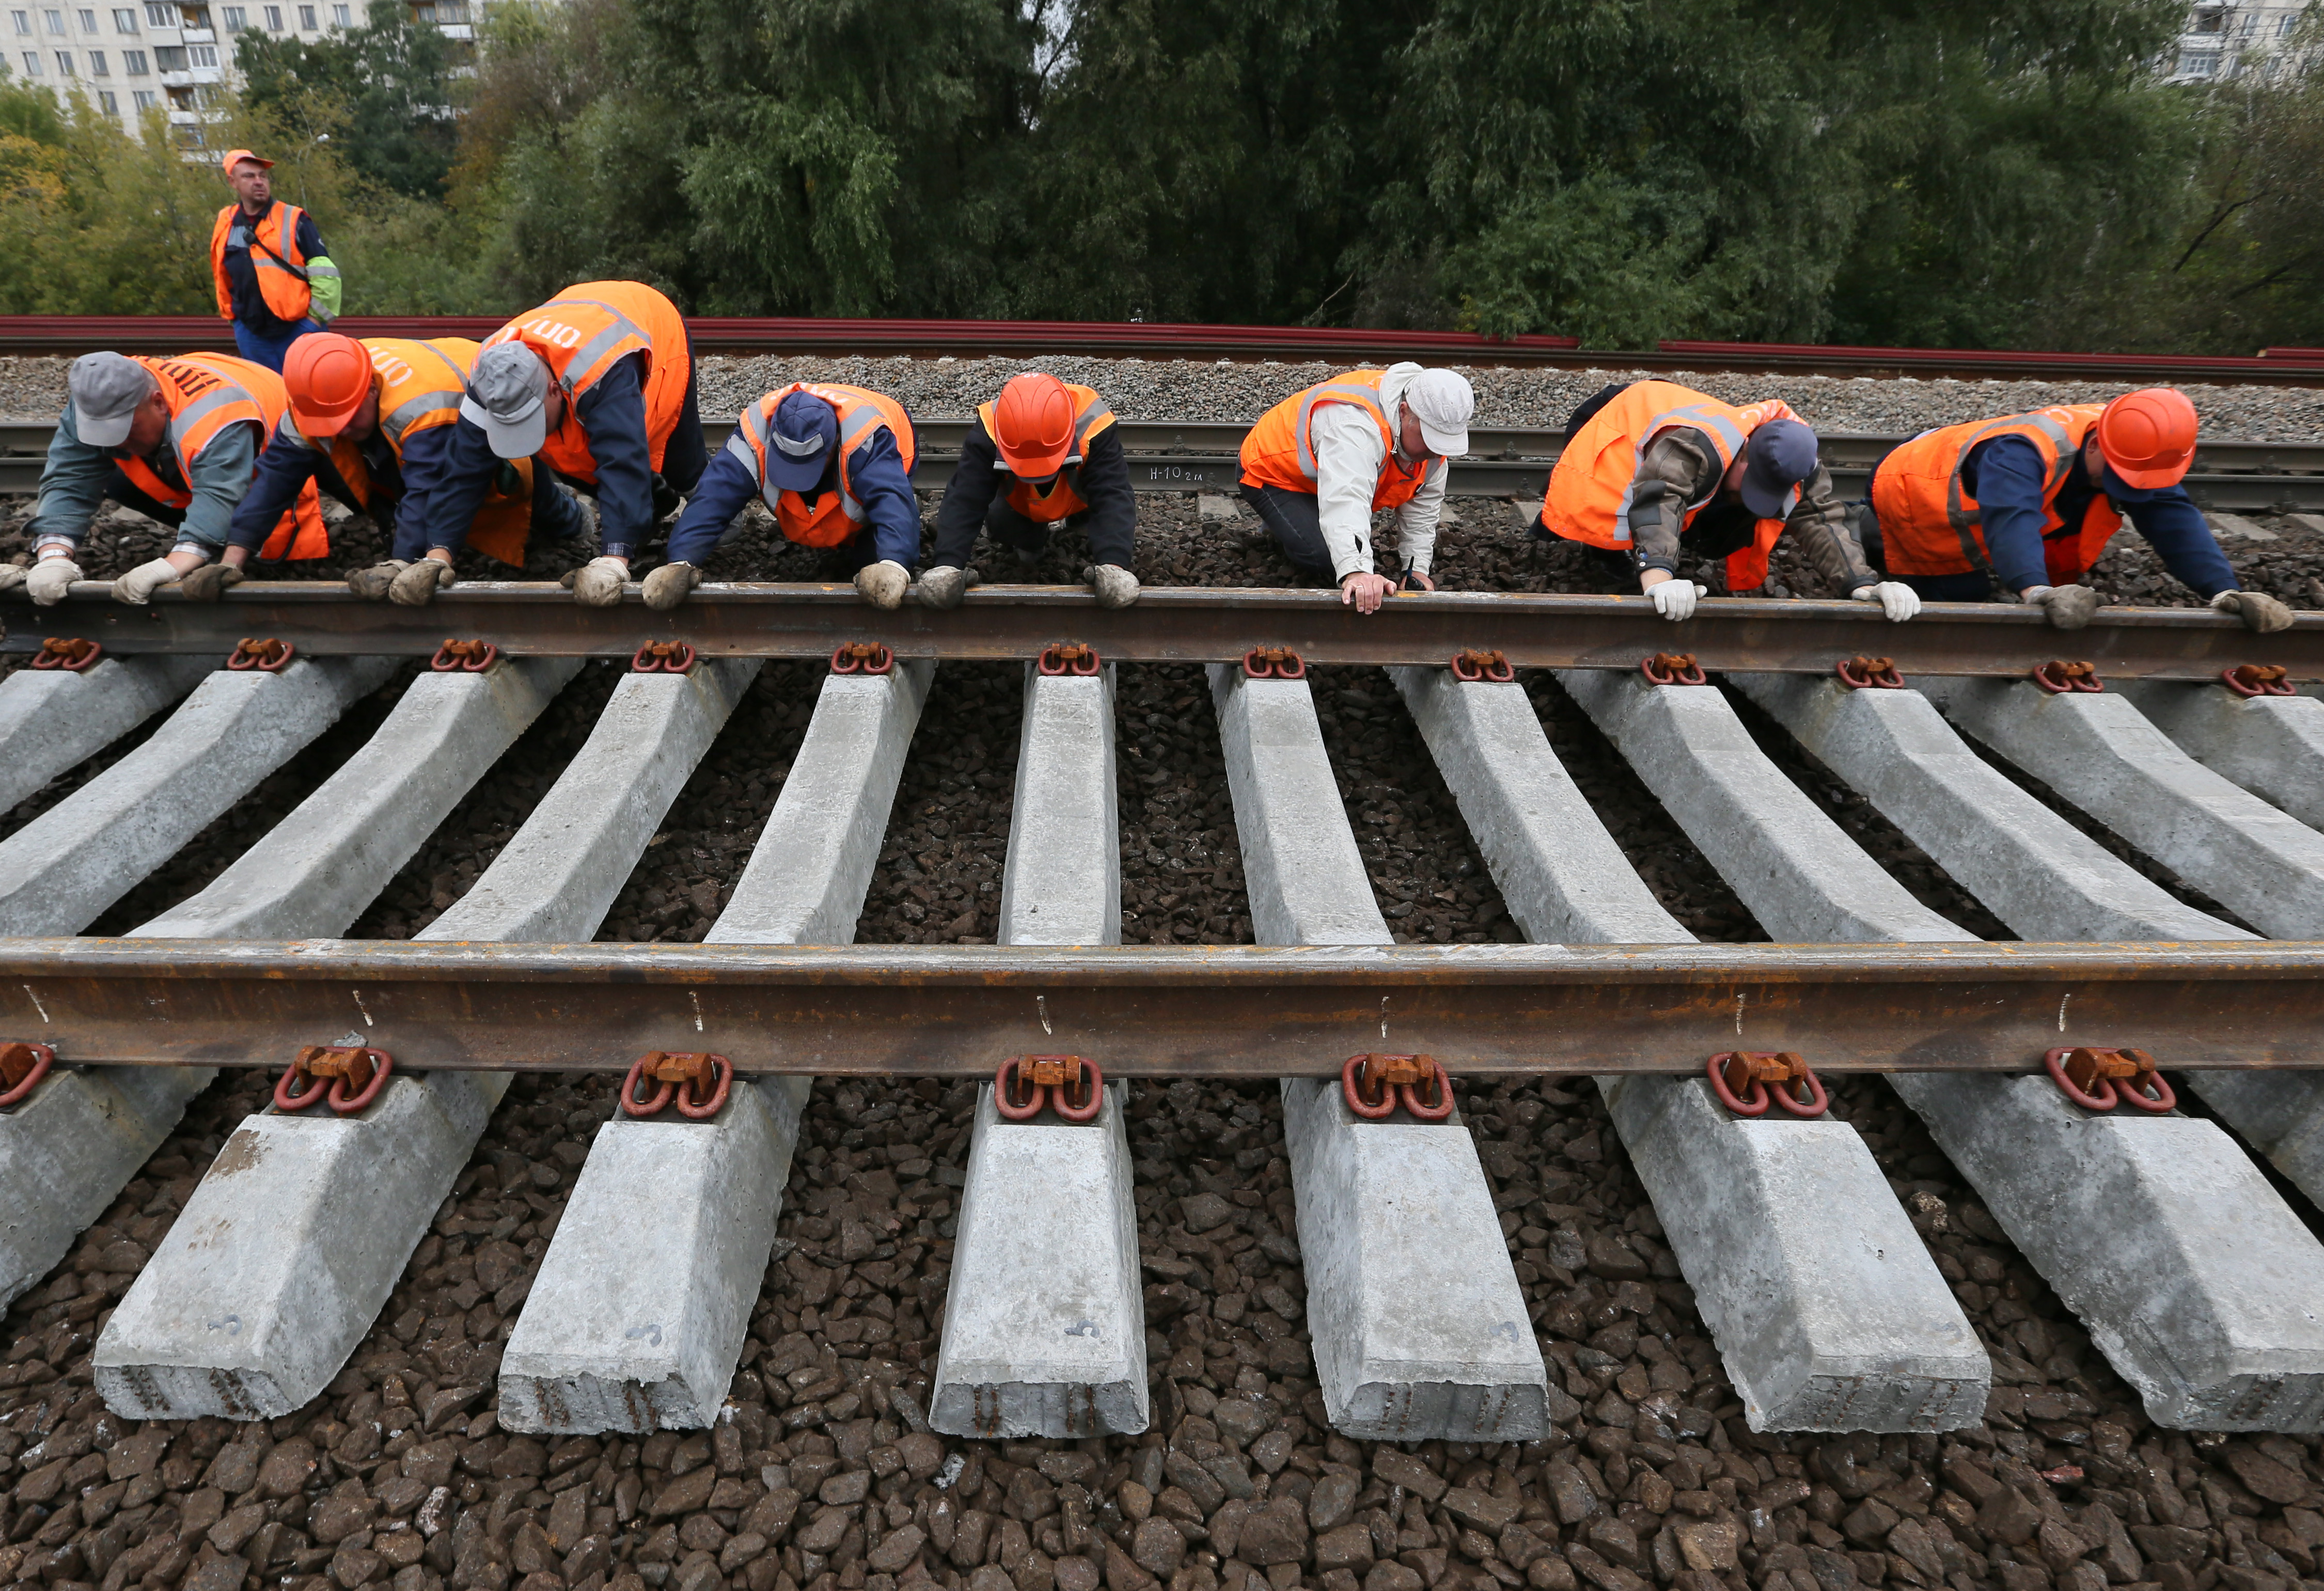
<point>651,325</point>
<point>1931,526</point>
<point>280,279</point>
<point>1280,450</point>
<point>206,394</point>
<point>860,412</point>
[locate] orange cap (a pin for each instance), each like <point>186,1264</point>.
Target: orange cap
<point>1033,425</point>
<point>2148,436</point>
<point>235,157</point>
<point>329,376</point>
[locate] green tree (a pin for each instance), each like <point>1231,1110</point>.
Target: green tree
<point>384,91</point>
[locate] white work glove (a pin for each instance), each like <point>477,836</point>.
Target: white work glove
<point>372,585</point>
<point>1116,586</point>
<point>2069,607</point>
<point>667,586</point>
<point>1897,600</point>
<point>1674,599</point>
<point>417,586</point>
<point>51,579</point>
<point>598,583</point>
<point>882,584</point>
<point>2261,614</point>
<point>137,587</point>
<point>210,583</point>
<point>10,577</point>
<point>940,588</point>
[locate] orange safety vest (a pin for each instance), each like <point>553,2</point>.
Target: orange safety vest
<point>1280,450</point>
<point>208,393</point>
<point>279,282</point>
<point>580,333</point>
<point>1931,525</point>
<point>1062,498</point>
<point>837,516</point>
<point>1590,489</point>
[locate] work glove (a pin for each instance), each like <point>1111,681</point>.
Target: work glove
<point>10,577</point>
<point>137,587</point>
<point>1116,586</point>
<point>598,583</point>
<point>2261,614</point>
<point>417,586</point>
<point>51,579</point>
<point>667,586</point>
<point>2069,607</point>
<point>940,587</point>
<point>372,584</point>
<point>1674,599</point>
<point>1897,600</point>
<point>882,584</point>
<point>210,583</point>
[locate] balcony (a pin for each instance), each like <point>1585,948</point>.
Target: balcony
<point>199,36</point>
<point>460,31</point>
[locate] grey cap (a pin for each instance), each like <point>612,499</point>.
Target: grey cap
<point>106,389</point>
<point>507,393</point>
<point>1442,401</point>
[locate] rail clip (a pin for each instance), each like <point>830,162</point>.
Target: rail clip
<point>861,658</point>
<point>465,657</point>
<point>2099,1080</point>
<point>1069,658</point>
<point>1748,1081</point>
<point>355,1078</point>
<point>663,657</point>
<point>1375,1085</point>
<point>698,1083</point>
<point>2060,678</point>
<point>262,656</point>
<point>1666,668</point>
<point>2248,680</point>
<point>22,1068</point>
<point>1068,1084</point>
<point>1273,663</point>
<point>68,657</point>
<point>1472,665</point>
<point>1861,673</point>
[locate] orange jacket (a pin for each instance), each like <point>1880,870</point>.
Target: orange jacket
<point>1280,449</point>
<point>1064,498</point>
<point>837,516</point>
<point>1931,525</point>
<point>580,333</point>
<point>1590,489</point>
<point>206,394</point>
<point>274,251</point>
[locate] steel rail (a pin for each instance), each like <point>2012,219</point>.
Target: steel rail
<point>1004,624</point>
<point>1146,1011</point>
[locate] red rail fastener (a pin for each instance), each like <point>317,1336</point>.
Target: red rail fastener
<point>2099,1080</point>
<point>663,657</point>
<point>2060,677</point>
<point>1861,673</point>
<point>1665,669</point>
<point>1071,1085</point>
<point>22,1068</point>
<point>353,1076</point>
<point>1748,1081</point>
<point>264,656</point>
<point>71,657</point>
<point>861,658</point>
<point>699,1083</point>
<point>1274,663</point>
<point>2255,679</point>
<point>1069,658</point>
<point>464,657</point>
<point>1472,665</point>
<point>1375,1085</point>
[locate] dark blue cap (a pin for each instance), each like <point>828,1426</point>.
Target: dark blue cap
<point>1782,454</point>
<point>805,433</point>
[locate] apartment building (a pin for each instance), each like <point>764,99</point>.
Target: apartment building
<point>2229,39</point>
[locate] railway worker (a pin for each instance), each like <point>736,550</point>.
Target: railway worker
<point>2026,503</point>
<point>368,422</point>
<point>1652,470</point>
<point>598,383</point>
<point>1042,453</point>
<point>177,439</point>
<point>274,283</point>
<point>834,463</point>
<point>1318,465</point>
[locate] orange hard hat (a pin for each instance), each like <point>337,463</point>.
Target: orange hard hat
<point>235,157</point>
<point>329,376</point>
<point>2148,436</point>
<point>1033,425</point>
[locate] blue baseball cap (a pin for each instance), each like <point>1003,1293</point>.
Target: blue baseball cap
<point>1780,454</point>
<point>805,433</point>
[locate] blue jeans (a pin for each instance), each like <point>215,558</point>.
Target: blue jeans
<point>269,351</point>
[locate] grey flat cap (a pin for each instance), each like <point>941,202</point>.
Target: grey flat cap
<point>507,391</point>
<point>106,389</point>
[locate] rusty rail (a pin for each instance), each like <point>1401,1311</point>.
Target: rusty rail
<point>1153,1011</point>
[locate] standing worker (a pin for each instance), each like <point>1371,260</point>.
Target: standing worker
<point>834,463</point>
<point>599,383</point>
<point>2026,503</point>
<point>274,283</point>
<point>177,440</point>
<point>1320,464</point>
<point>1654,469</point>
<point>1045,452</point>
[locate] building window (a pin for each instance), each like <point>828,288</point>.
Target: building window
<point>169,58</point>
<point>274,19</point>
<point>2205,65</point>
<point>87,21</point>
<point>64,63</point>
<point>97,67</point>
<point>205,55</point>
<point>105,99</point>
<point>56,20</point>
<point>339,17</point>
<point>237,19</point>
<point>132,62</point>
<point>32,63</point>
<point>23,18</point>
<point>145,98</point>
